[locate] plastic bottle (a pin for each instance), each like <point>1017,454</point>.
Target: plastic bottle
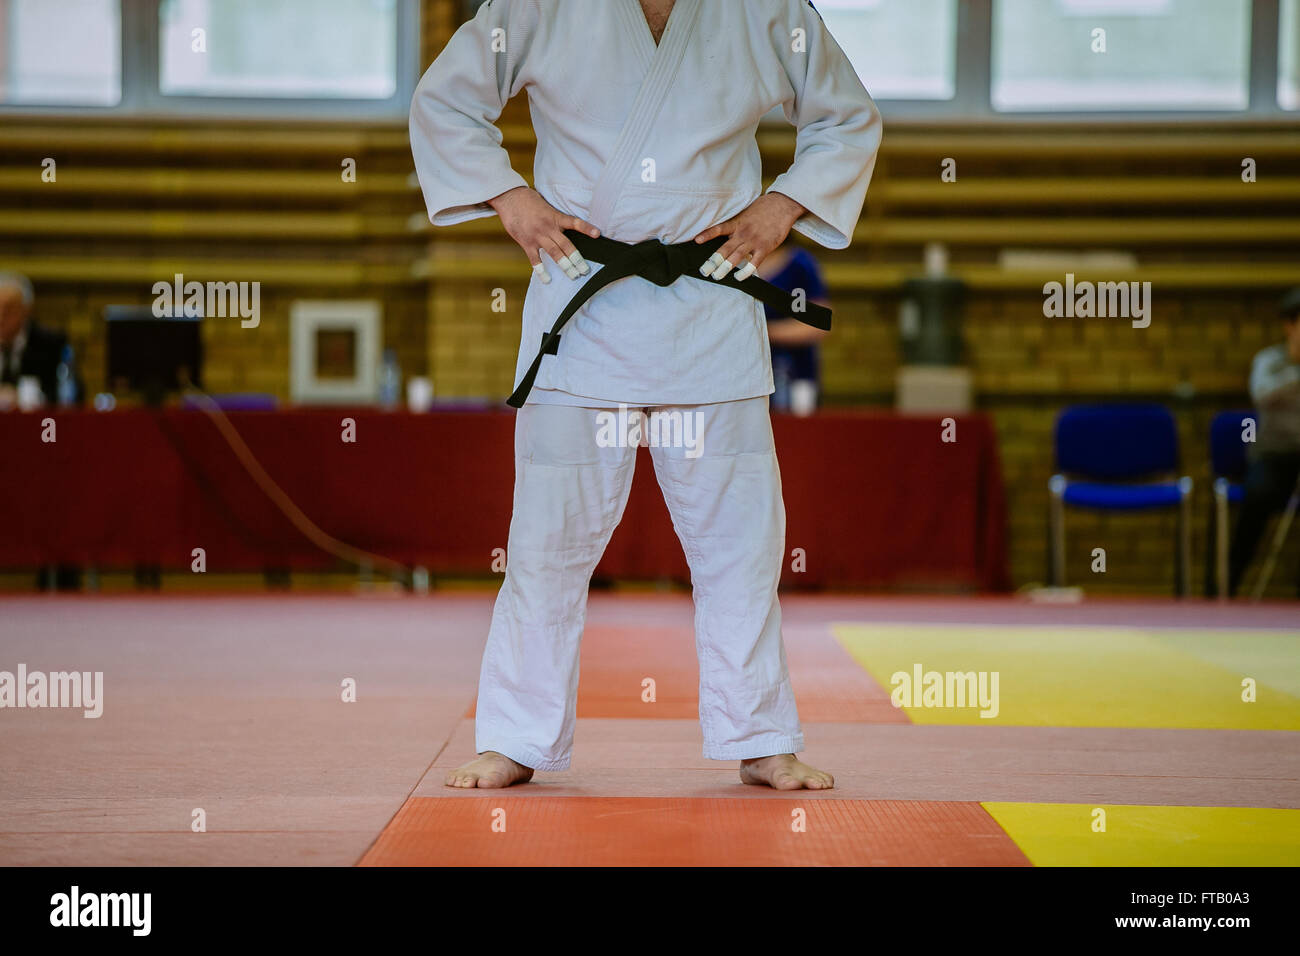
<point>390,381</point>
<point>66,390</point>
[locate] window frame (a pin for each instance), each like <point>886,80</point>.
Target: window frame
<point>1277,51</point>
<point>142,97</point>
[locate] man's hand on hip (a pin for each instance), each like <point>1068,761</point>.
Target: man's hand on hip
<point>539,227</point>
<point>754,233</point>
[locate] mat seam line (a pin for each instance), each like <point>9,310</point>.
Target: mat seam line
<point>409,794</point>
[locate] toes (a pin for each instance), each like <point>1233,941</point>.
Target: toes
<point>786,781</point>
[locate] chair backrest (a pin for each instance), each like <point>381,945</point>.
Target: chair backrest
<point>1227,450</point>
<point>1116,441</point>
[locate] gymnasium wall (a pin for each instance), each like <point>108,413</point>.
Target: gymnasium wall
<point>136,203</point>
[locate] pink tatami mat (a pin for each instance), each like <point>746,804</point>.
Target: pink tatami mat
<point>909,762</point>
<point>233,705</point>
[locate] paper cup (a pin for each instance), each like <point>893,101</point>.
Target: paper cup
<point>419,394</point>
<point>803,396</point>
<point>29,393</point>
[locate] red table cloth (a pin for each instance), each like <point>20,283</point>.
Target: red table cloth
<point>873,499</point>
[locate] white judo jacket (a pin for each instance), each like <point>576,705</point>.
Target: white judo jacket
<point>646,141</point>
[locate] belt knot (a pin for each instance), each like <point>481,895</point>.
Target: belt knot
<point>664,264</point>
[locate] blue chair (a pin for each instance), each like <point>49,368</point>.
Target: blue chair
<point>1228,468</point>
<point>1118,457</point>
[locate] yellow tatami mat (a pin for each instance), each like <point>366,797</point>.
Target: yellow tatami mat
<point>1071,834</point>
<point>1084,676</point>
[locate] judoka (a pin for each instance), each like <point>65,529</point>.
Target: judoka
<point>645,113</point>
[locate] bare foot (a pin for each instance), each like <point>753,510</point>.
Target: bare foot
<point>784,772</point>
<point>489,770</point>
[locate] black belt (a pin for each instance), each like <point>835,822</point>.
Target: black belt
<point>663,264</point>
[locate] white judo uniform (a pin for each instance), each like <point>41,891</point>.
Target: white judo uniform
<point>645,142</point>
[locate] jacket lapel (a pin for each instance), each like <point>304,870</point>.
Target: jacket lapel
<point>665,59</point>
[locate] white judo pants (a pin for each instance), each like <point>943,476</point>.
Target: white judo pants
<point>569,496</point>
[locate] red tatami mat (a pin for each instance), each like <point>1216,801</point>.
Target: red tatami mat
<point>658,831</point>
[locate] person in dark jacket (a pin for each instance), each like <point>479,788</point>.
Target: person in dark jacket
<point>25,347</point>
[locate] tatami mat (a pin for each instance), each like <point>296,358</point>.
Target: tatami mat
<point>506,829</point>
<point>234,705</point>
<point>1065,834</point>
<point>1087,676</point>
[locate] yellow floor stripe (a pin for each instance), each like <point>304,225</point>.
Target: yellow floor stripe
<point>1086,676</point>
<point>1273,654</point>
<point>1063,834</point>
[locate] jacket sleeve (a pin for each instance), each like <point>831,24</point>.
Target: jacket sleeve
<point>459,159</point>
<point>839,130</point>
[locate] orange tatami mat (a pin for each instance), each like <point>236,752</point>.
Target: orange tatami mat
<point>794,829</point>
<point>623,667</point>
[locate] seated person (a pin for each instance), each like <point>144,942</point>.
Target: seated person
<point>25,347</point>
<point>794,345</point>
<point>1275,458</point>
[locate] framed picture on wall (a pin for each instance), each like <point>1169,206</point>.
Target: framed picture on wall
<point>334,350</point>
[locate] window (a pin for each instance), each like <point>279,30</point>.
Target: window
<point>60,54</point>
<point>1020,60</point>
<point>317,59</point>
<point>1121,55</point>
<point>1288,56</point>
<point>290,48</point>
<point>902,49</point>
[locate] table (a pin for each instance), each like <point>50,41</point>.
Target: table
<point>874,499</point>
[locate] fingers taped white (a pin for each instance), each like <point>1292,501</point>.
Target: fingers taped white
<point>708,268</point>
<point>565,263</point>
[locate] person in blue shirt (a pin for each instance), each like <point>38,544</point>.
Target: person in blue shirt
<point>794,345</point>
